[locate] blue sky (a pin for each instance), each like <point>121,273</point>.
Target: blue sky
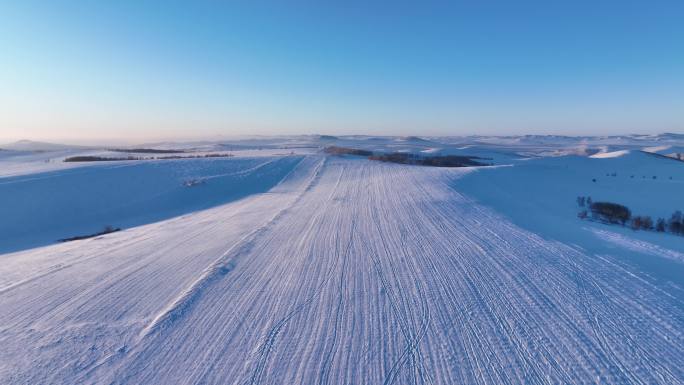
<point>142,70</point>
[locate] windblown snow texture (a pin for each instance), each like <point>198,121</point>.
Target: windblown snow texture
<point>348,272</point>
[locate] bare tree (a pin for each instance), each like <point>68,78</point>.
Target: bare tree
<point>580,201</point>
<point>675,223</point>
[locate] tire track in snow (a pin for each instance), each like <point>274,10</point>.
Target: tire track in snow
<point>383,274</point>
<point>222,266</point>
<point>436,256</point>
<point>412,338</point>
<point>590,291</point>
<point>215,271</point>
<point>269,341</point>
<point>329,355</point>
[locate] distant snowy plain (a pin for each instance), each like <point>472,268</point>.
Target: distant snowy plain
<point>287,266</point>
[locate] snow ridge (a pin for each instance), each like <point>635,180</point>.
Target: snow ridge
<point>219,268</point>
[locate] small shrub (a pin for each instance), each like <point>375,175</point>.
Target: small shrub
<point>646,223</point>
<point>641,223</point>
<point>675,224</point>
<point>107,229</point>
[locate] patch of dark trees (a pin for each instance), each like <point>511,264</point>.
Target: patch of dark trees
<point>106,230</point>
<point>145,150</point>
<point>90,158</point>
<point>614,213</point>
<point>434,161</point>
<point>334,150</point>
<point>409,158</point>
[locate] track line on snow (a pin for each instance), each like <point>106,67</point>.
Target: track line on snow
<point>363,273</point>
<point>266,346</point>
<point>220,267</point>
<point>339,311</point>
<point>216,270</point>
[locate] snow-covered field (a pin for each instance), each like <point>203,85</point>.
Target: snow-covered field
<point>315,269</point>
<point>41,208</point>
<point>540,195</point>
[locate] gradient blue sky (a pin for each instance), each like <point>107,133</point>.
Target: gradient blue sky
<point>92,70</point>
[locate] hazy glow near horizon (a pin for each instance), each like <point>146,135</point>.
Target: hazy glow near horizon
<point>128,69</point>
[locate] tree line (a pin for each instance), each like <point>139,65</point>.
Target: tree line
<point>93,158</point>
<point>614,213</point>
<point>410,158</point>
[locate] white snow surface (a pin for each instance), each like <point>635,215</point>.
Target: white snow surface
<point>15,163</point>
<point>348,271</point>
<point>638,245</point>
<point>41,208</point>
<point>611,154</point>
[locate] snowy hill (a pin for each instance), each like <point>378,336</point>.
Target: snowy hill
<point>311,268</point>
<point>41,208</point>
<point>540,195</point>
<point>30,145</point>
